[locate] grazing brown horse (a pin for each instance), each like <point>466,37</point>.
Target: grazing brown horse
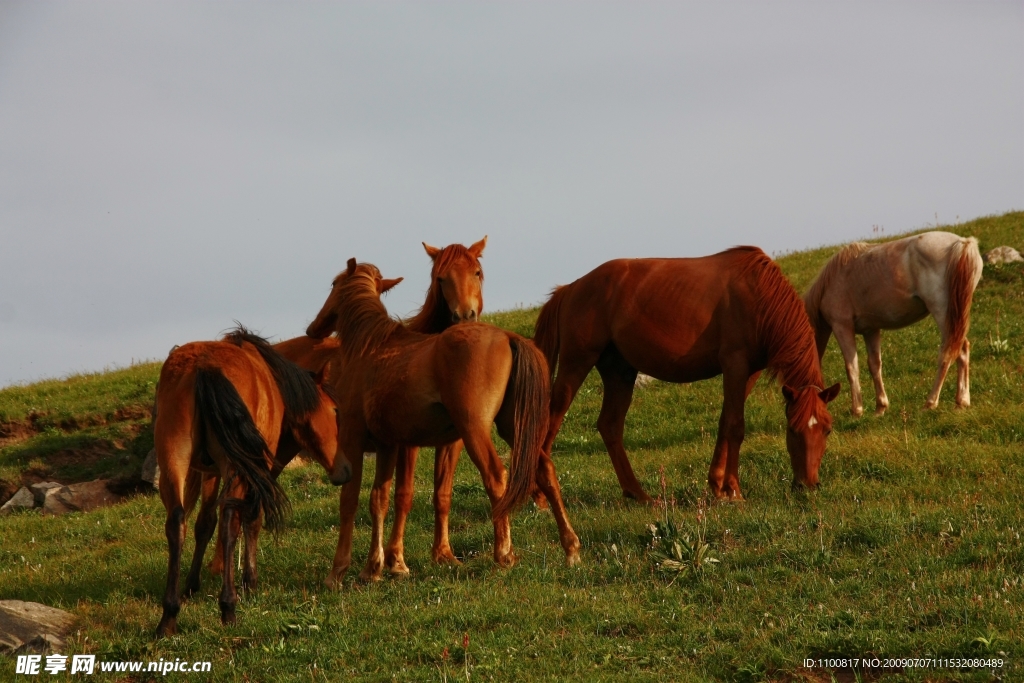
<point>681,320</point>
<point>310,354</point>
<point>867,288</point>
<point>396,387</point>
<point>222,407</point>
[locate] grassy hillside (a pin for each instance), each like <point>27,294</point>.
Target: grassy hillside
<point>912,547</point>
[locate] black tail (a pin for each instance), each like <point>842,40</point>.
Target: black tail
<point>221,409</point>
<point>530,395</point>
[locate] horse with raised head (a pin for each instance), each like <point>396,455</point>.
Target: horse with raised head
<point>455,295</point>
<point>222,408</point>
<point>681,320</point>
<point>397,387</point>
<point>867,288</point>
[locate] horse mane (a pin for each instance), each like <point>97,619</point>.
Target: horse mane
<point>297,386</point>
<point>434,317</point>
<point>363,323</point>
<point>814,293</point>
<point>781,321</point>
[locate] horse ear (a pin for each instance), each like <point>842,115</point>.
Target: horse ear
<point>827,395</point>
<point>385,285</point>
<point>788,394</point>
<point>351,266</point>
<point>432,252</point>
<point>477,248</point>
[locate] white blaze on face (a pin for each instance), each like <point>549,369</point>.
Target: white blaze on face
<point>813,421</point>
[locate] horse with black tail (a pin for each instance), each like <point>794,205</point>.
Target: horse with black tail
<point>222,408</point>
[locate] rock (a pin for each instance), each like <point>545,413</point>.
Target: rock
<point>151,469</point>
<point>1002,254</point>
<point>83,497</point>
<point>42,489</point>
<point>643,380</point>
<point>22,499</point>
<point>26,626</point>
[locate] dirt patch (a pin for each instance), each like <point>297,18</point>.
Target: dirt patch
<point>16,431</point>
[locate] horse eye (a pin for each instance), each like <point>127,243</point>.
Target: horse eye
<point>478,273</point>
<point>828,431</point>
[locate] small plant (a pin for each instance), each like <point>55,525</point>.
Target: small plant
<point>998,345</point>
<point>985,642</point>
<point>676,552</point>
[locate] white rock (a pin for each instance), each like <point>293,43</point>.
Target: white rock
<point>643,380</point>
<point>28,626</point>
<point>20,500</point>
<point>151,469</point>
<point>42,489</point>
<point>1002,254</point>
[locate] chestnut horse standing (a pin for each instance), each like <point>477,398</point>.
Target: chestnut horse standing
<point>222,407</point>
<point>866,288</point>
<point>397,387</point>
<point>681,320</point>
<point>310,354</point>
<point>455,295</point>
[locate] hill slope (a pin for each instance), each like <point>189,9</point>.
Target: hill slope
<point>912,547</point>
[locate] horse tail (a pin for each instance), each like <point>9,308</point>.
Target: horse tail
<point>530,388</point>
<point>962,274</point>
<point>547,330</point>
<point>220,409</point>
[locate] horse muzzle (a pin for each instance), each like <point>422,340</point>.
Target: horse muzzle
<point>341,474</point>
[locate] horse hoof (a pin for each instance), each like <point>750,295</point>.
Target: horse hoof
<point>880,411</point>
<point>166,629</point>
<point>640,497</point>
<point>931,405</point>
<point>399,569</point>
<point>507,560</point>
<point>445,556</point>
<point>573,559</point>
<point>857,412</point>
<point>227,614</point>
<point>369,576</point>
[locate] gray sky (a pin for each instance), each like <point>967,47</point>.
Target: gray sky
<point>168,167</point>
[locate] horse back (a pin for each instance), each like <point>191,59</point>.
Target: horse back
<point>670,318</point>
<point>240,365</point>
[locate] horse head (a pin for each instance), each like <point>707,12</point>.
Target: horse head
<point>809,424</point>
<point>326,321</point>
<point>456,281</point>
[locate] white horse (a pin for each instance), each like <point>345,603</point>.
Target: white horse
<point>867,288</point>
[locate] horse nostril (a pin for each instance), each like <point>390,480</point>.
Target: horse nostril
<point>471,316</point>
<point>455,317</point>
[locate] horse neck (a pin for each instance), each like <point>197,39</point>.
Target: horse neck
<point>364,324</point>
<point>434,317</point>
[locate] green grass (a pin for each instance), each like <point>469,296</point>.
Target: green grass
<point>911,547</point>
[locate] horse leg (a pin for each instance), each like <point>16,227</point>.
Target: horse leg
<point>723,476</point>
<point>348,503</point>
<point>174,453</point>
<point>230,523</point>
<point>848,345</point>
<point>963,376</point>
<point>619,379</point>
<point>446,458</point>
<point>485,456</point>
<point>379,494</point>
<point>571,374</point>
<point>946,356</point>
<point>252,542</point>
<point>206,525</point>
<point>873,341</point>
<point>394,553</point>
<point>547,479</point>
